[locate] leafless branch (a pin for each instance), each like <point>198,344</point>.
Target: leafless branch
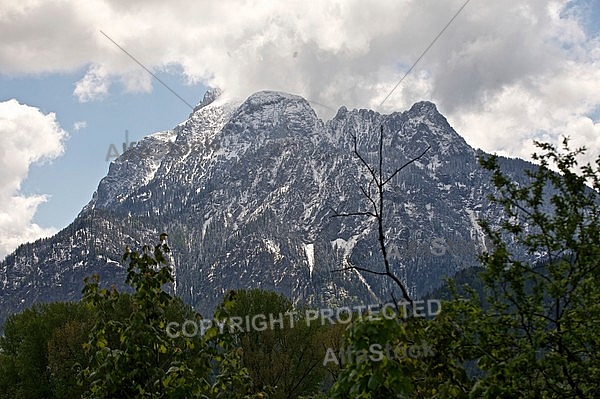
<point>337,215</point>
<point>377,203</point>
<point>368,196</point>
<point>362,160</point>
<point>360,269</point>
<point>405,165</point>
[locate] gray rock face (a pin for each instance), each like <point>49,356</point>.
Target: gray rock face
<point>245,191</point>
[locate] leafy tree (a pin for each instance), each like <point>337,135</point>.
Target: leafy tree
<point>284,354</point>
<point>135,357</point>
<point>393,355</point>
<point>539,336</point>
<point>28,352</point>
<point>66,356</point>
<point>536,332</point>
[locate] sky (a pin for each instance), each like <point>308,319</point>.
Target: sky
<point>503,73</point>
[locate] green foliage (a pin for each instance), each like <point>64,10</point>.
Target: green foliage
<point>535,333</point>
<point>114,344</point>
<point>41,350</point>
<point>285,358</point>
<point>540,335</point>
<point>66,357</point>
<point>366,374</point>
<point>380,364</point>
<point>133,356</point>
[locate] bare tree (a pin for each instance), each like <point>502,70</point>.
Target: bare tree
<point>374,195</point>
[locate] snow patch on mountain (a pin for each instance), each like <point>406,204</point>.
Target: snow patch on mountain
<point>309,250</point>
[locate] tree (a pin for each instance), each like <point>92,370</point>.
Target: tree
<point>387,356</point>
<point>539,333</point>
<point>536,331</point>
<point>29,354</point>
<point>374,193</point>
<point>285,354</point>
<point>135,357</point>
<point>389,375</point>
<point>66,357</point>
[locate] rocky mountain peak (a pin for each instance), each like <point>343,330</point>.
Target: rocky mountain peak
<point>424,107</point>
<point>245,191</point>
<point>210,96</point>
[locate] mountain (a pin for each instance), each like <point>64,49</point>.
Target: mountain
<point>246,191</point>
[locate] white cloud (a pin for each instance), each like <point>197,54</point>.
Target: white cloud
<point>28,137</point>
<point>553,106</point>
<point>77,126</point>
<point>93,86</point>
<point>503,72</point>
